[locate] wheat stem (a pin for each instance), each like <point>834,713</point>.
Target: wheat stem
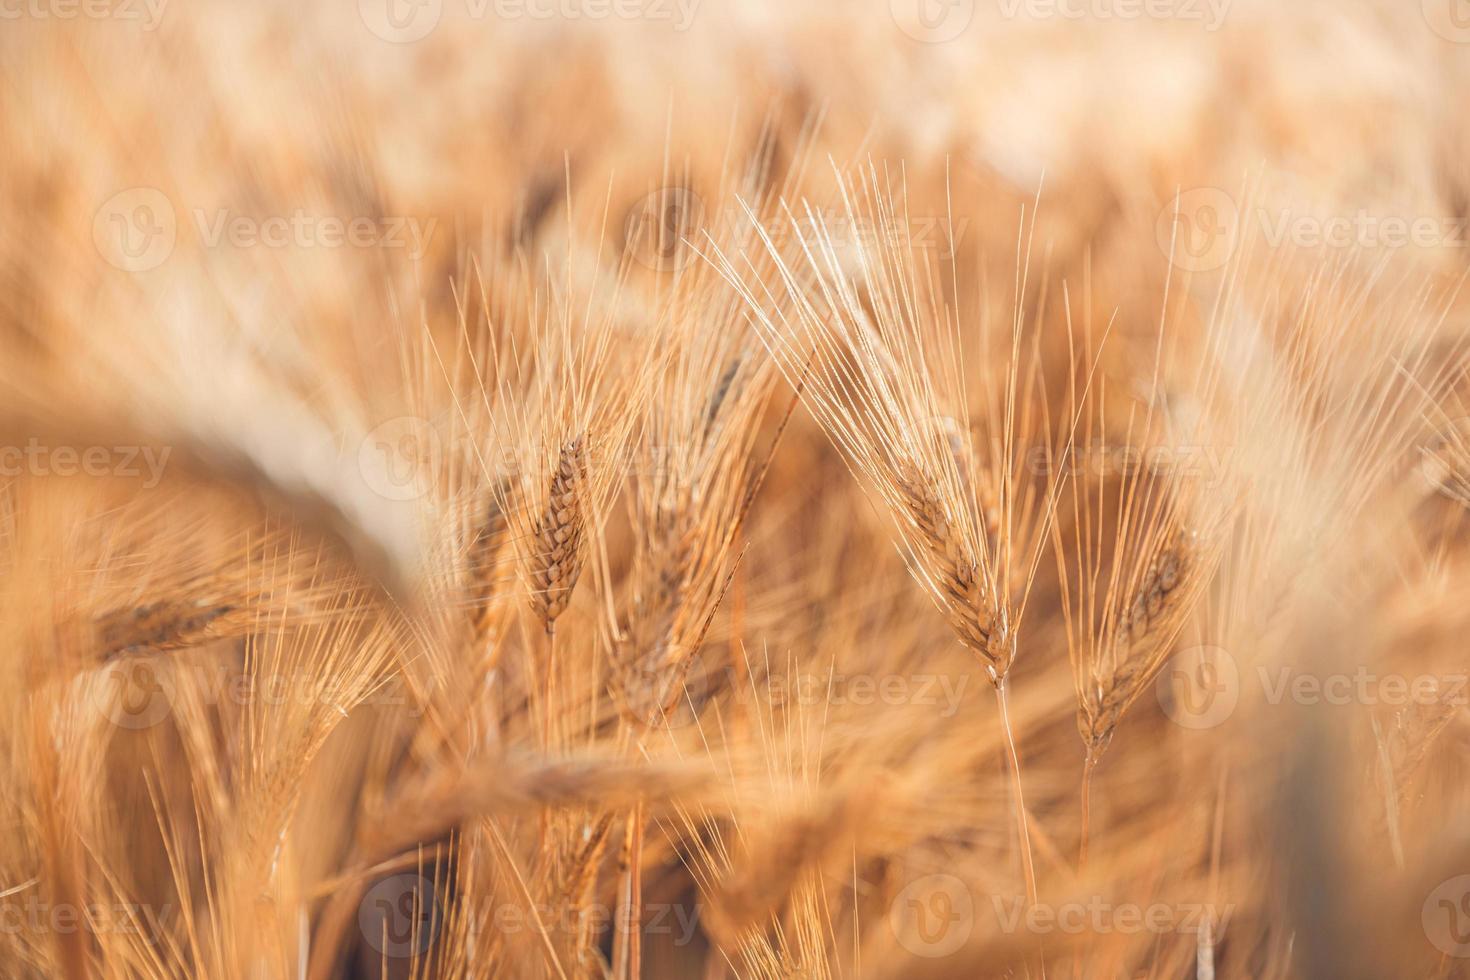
<point>1013,757</point>
<point>1089,765</point>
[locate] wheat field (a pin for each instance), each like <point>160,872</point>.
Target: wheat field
<point>734,489</point>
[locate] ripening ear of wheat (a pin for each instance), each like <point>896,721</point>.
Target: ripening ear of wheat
<point>569,410</point>
<point>694,476</point>
<point>862,325</point>
<point>888,382</point>
<point>1142,527</point>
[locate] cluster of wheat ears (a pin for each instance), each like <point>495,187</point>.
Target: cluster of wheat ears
<point>793,546</point>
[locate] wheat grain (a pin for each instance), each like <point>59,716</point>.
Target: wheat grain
<point>161,626</point>
<point>957,574</point>
<point>559,533</point>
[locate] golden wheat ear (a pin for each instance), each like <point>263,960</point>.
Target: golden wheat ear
<point>568,412</point>
<point>890,384</point>
<point>942,446</point>
<point>693,485</point>
<point>558,534</point>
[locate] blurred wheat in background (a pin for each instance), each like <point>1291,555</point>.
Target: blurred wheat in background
<point>734,489</point>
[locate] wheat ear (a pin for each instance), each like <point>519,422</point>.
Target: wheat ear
<point>559,532</point>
